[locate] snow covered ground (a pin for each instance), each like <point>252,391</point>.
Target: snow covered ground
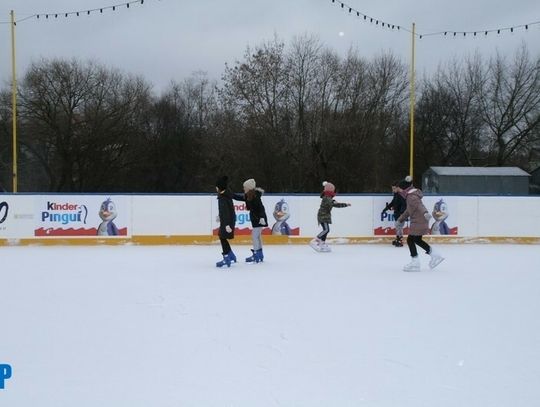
<point>162,327</point>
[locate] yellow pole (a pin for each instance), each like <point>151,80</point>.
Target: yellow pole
<point>411,157</point>
<point>14,101</point>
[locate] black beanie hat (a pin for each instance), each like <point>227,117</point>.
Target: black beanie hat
<point>405,183</point>
<point>221,183</point>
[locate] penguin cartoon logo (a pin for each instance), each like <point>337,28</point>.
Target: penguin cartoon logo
<point>281,214</point>
<point>440,214</point>
<point>107,213</point>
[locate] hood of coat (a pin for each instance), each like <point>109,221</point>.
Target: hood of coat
<point>414,191</point>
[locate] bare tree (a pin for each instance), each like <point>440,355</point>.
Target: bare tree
<point>451,127</point>
<point>511,106</point>
<point>77,120</point>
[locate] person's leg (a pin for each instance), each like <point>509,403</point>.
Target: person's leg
<point>399,229</point>
<point>227,252</point>
<point>412,245</point>
<point>258,244</point>
<point>324,232</point>
<point>225,245</point>
<point>399,234</point>
<point>414,265</point>
<point>423,244</point>
<point>256,238</point>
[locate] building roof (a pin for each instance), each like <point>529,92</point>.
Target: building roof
<point>480,171</point>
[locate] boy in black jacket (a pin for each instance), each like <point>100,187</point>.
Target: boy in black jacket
<point>227,221</point>
<point>398,205</point>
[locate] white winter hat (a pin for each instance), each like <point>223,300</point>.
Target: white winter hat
<point>250,184</point>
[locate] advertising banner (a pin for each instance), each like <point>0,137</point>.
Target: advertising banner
<point>4,212</point>
<point>16,217</point>
<point>279,210</point>
<point>82,216</point>
<point>443,222</point>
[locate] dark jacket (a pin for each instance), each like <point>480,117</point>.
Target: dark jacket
<point>255,206</point>
<point>416,211</point>
<point>398,205</point>
<point>227,216</point>
<point>325,211</point>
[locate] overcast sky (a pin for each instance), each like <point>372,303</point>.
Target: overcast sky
<point>166,40</point>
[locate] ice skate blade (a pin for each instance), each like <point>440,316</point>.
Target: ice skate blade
<point>436,262</point>
<point>315,246</point>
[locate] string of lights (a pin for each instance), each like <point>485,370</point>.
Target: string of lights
<point>447,33</point>
<point>370,19</point>
<point>77,13</point>
<point>477,33</point>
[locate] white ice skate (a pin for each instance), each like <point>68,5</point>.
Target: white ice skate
<point>436,258</point>
<point>414,265</point>
<point>318,245</point>
<point>315,244</point>
<point>325,248</point>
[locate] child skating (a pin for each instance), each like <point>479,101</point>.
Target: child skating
<point>324,216</point>
<point>227,221</point>
<point>252,198</point>
<point>419,225</point>
<point>398,205</point>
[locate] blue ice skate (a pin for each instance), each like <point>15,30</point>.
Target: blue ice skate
<point>232,256</point>
<point>259,256</point>
<point>256,257</point>
<point>251,258</point>
<point>225,262</point>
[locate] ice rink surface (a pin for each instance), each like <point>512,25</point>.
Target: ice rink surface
<point>161,326</point>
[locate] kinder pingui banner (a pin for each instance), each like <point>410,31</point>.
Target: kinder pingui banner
<point>443,221</point>
<point>65,215</point>
<point>279,211</point>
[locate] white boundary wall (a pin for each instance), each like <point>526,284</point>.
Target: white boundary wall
<point>22,215</point>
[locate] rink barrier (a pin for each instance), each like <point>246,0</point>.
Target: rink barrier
<point>245,240</point>
<point>73,219</point>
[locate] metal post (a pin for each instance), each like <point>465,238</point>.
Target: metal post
<point>14,101</point>
<point>412,100</point>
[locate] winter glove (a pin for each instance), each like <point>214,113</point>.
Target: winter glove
<point>262,222</point>
<point>228,229</point>
<point>427,215</point>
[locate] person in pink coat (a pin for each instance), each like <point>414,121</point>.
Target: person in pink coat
<point>419,218</point>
